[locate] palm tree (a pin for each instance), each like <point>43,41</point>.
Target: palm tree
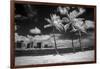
<point>79,26</point>
<point>72,21</point>
<point>54,22</point>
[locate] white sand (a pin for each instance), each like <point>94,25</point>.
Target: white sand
<point>64,58</point>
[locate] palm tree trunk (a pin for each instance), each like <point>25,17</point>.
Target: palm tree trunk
<point>73,45</point>
<point>80,41</point>
<point>55,44</point>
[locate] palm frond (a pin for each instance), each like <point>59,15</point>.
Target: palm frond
<point>59,27</point>
<point>48,20</point>
<point>66,27</point>
<point>74,29</point>
<point>79,25</point>
<point>81,11</point>
<point>63,10</point>
<point>75,13</point>
<point>65,19</point>
<point>83,30</point>
<point>54,17</point>
<point>54,21</point>
<point>46,26</point>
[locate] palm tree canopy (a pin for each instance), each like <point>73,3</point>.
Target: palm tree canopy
<point>75,13</point>
<point>77,24</point>
<point>63,10</point>
<point>54,21</point>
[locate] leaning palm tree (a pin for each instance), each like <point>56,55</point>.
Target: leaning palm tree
<point>54,22</point>
<point>72,21</point>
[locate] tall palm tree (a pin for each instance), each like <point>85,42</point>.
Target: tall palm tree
<point>79,26</point>
<point>54,22</point>
<point>72,21</point>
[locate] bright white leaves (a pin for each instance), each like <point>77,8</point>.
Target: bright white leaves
<point>75,13</point>
<point>79,25</point>
<point>71,19</point>
<point>63,11</point>
<point>54,21</point>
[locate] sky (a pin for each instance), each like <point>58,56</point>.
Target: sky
<point>31,22</point>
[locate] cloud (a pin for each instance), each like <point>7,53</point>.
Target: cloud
<point>35,30</point>
<point>29,38</point>
<point>20,38</point>
<point>49,40</point>
<point>41,37</point>
<point>17,37</point>
<point>89,24</point>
